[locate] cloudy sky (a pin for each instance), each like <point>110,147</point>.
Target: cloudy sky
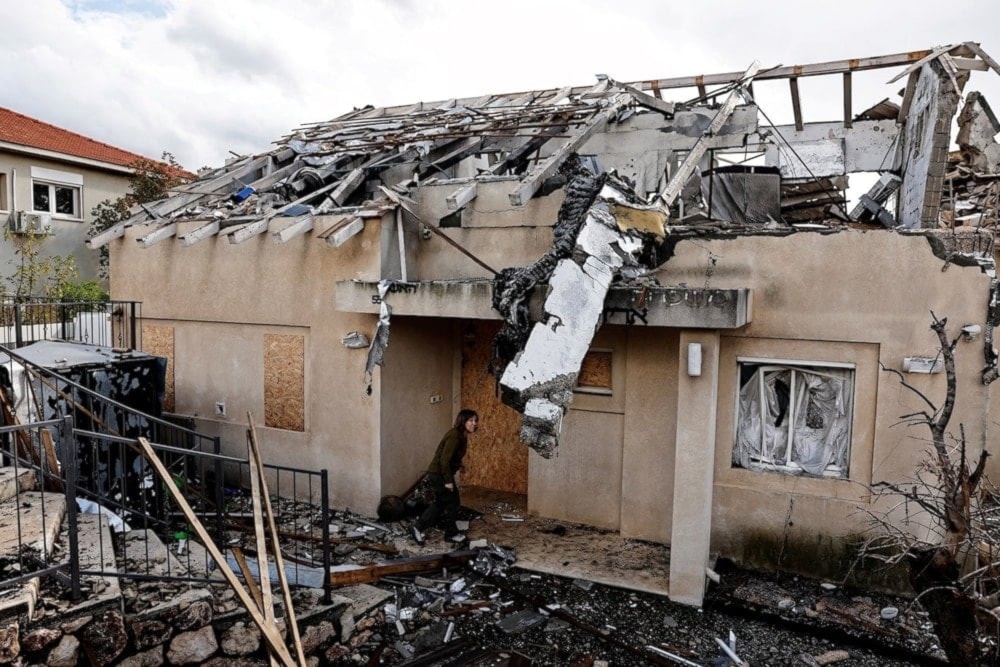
<point>200,78</point>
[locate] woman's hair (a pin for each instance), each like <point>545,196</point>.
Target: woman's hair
<point>464,415</point>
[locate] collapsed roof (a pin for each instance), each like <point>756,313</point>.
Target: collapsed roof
<point>668,182</point>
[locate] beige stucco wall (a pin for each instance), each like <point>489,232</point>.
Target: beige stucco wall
<point>420,397</point>
<point>857,297</point>
<point>862,298</point>
<point>222,299</point>
<point>68,235</point>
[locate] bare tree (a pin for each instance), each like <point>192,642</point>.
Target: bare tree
<point>948,533</point>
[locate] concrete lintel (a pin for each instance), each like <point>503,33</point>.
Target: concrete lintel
<point>683,307</point>
<point>472,299</point>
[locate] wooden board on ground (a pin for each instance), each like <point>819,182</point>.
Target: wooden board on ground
<point>369,573</point>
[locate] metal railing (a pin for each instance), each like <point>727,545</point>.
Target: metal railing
<point>106,323</point>
<point>104,468</point>
<point>40,495</point>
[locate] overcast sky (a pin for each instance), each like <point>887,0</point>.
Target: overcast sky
<point>200,78</point>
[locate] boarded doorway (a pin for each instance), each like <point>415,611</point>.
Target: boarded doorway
<point>496,458</point>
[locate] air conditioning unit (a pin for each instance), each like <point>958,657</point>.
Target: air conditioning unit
<point>31,221</point>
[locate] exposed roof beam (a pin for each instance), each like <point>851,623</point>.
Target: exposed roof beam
<point>817,69</point>
<point>793,84</point>
<point>249,231</point>
<point>300,225</point>
<point>103,238</point>
<point>679,179</point>
<point>975,48</point>
<point>929,56</point>
<point>160,233</point>
<point>347,186</point>
<point>848,106</point>
<point>459,198</point>
<point>199,234</point>
<point>341,232</point>
<point>648,101</point>
<point>214,186</point>
<point>533,181</point>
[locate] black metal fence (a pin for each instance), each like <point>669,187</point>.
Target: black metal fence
<point>107,323</point>
<point>36,495</point>
<point>104,469</point>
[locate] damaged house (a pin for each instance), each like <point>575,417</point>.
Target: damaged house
<point>668,315</point>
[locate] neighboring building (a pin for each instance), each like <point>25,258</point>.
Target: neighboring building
<point>739,297</point>
<point>51,179</point>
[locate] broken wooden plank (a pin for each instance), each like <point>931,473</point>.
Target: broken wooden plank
<point>165,232</point>
<point>680,177</point>
<point>300,225</point>
<point>286,594</point>
<point>53,480</point>
<point>970,64</point>
<point>269,630</point>
<point>370,573</point>
<point>248,577</point>
<point>648,101</point>
<point>266,598</point>
<point>915,67</point>
<point>975,48</point>
<point>533,181</point>
<point>459,198</point>
<point>199,234</point>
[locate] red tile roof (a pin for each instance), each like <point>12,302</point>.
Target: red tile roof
<point>19,129</point>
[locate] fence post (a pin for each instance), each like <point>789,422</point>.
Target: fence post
<point>325,511</point>
<point>18,337</point>
<point>62,319</point>
<point>133,342</point>
<point>69,467</point>
<point>220,495</point>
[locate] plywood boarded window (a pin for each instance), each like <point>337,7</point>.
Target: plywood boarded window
<point>284,381</point>
<point>595,373</point>
<point>159,341</point>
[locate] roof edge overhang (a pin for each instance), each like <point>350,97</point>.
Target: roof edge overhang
<point>650,305</point>
<point>64,157</point>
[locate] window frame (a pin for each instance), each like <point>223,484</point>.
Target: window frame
<point>790,466</point>
<point>55,179</point>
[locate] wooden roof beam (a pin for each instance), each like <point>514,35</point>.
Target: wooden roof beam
<point>793,84</point>
<point>848,105</point>
<point>817,69</point>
